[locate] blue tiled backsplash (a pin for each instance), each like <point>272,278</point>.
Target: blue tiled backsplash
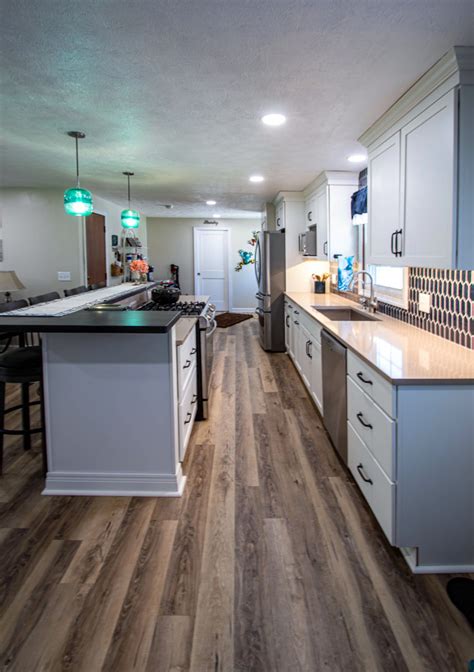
<point>452,304</point>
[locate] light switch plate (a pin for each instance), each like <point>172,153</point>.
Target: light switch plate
<point>64,276</point>
<point>424,302</point>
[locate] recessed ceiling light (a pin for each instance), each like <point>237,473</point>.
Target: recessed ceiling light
<point>210,202</point>
<point>216,215</point>
<point>274,119</point>
<point>256,178</point>
<point>357,158</point>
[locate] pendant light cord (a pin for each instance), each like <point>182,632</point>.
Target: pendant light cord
<point>77,161</point>
<point>128,178</point>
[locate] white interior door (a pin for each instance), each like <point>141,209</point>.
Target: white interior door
<point>211,265</point>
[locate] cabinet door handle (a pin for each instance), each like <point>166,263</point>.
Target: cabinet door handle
<point>309,216</point>
<point>364,478</point>
<point>296,322</point>
<point>308,346</point>
<point>187,365</point>
<point>398,250</point>
<point>361,377</point>
<point>194,399</point>
<point>359,417</point>
<point>188,418</point>
<point>193,351</point>
<point>278,221</point>
<point>287,318</point>
<point>392,245</point>
<point>297,312</point>
<point>325,248</point>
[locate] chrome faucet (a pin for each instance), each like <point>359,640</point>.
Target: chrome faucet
<point>368,304</point>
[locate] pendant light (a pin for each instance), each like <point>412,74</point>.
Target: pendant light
<point>130,218</point>
<point>77,201</point>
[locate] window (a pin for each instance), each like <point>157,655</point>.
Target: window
<point>390,284</point>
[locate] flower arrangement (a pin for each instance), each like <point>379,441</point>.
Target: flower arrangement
<point>139,268</point>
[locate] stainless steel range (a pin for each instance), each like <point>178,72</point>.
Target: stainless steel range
<point>205,328</point>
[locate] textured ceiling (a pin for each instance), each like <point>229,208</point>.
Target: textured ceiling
<point>174,89</point>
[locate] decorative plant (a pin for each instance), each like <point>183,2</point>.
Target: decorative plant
<point>320,278</point>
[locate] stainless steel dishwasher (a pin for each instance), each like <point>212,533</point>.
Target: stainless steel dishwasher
<point>334,356</point>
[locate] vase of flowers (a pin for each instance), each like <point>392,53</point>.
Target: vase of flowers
<point>139,270</point>
<point>320,283</point>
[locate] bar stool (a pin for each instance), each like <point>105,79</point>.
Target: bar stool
<point>43,298</point>
<point>21,365</point>
<point>75,290</point>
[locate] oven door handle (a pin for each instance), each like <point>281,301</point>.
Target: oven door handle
<point>213,328</point>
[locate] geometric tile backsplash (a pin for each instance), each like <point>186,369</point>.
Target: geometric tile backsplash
<point>452,304</point>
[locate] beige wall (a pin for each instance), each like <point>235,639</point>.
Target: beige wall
<point>39,239</point>
<point>170,241</point>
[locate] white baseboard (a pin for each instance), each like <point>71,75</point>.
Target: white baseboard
<point>242,310</point>
<point>115,484</point>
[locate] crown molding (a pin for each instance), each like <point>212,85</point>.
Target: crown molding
<point>295,196</point>
<point>457,63</point>
<point>332,178</point>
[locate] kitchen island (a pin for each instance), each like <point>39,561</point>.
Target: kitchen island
<point>110,398</point>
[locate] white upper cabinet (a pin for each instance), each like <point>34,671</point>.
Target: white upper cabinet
<point>280,215</point>
<point>384,201</point>
<point>328,209</point>
<point>421,171</point>
<point>426,196</point>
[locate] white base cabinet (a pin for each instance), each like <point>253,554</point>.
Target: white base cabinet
<point>303,344</point>
<point>408,453</point>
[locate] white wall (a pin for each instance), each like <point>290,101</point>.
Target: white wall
<point>39,239</point>
<point>170,241</point>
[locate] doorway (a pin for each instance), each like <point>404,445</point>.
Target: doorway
<point>95,249</point>
<point>211,265</point>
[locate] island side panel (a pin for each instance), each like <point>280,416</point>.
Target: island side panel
<point>111,414</point>
<point>435,471</point>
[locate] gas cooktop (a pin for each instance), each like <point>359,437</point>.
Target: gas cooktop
<point>185,307</point>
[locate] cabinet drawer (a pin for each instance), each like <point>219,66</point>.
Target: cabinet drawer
<point>186,413</point>
<point>373,384</point>
<point>186,361</point>
<point>378,490</point>
<point>312,326</point>
<point>373,425</point>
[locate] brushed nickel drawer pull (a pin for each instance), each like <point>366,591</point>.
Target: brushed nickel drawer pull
<point>194,399</point>
<point>364,478</point>
<point>193,351</point>
<point>188,418</point>
<point>187,365</point>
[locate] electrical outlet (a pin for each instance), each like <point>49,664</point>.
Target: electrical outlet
<point>64,276</point>
<point>424,302</point>
<point>334,278</point>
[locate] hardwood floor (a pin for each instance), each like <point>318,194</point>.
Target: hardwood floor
<point>271,561</point>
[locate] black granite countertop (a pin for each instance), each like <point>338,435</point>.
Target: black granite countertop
<point>96,322</point>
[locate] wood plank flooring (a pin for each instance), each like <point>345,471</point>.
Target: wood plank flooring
<point>271,561</point>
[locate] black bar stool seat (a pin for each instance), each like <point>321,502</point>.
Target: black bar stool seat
<point>23,366</point>
<point>22,363</point>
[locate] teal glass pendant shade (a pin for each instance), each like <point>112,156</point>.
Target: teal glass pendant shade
<point>78,202</point>
<point>130,219</point>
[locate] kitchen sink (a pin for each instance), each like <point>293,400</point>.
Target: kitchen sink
<point>342,314</point>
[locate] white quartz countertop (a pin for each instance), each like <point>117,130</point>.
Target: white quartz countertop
<point>402,353</point>
<point>183,327</point>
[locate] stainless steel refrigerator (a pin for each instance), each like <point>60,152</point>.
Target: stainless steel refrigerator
<point>270,274</point>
